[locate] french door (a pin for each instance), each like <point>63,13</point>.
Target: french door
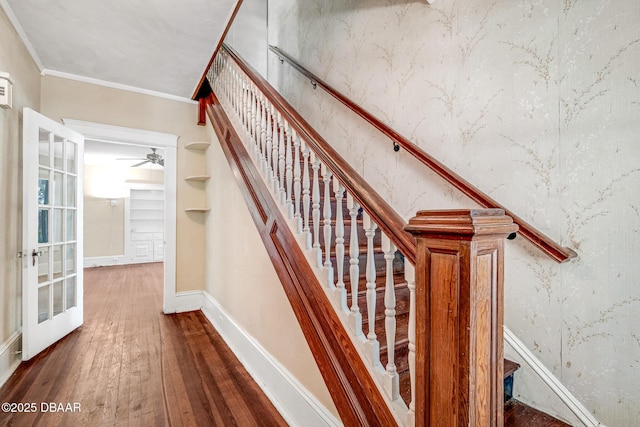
<point>52,276</point>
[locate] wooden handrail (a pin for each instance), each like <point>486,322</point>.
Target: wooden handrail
<point>537,238</point>
<point>378,209</point>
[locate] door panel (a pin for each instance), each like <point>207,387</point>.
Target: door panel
<point>52,279</point>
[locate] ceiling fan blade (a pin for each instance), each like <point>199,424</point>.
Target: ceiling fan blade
<point>161,162</point>
<point>140,164</point>
<point>132,158</point>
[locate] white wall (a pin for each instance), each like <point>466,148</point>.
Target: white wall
<point>536,103</point>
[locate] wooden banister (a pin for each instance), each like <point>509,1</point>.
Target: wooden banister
<point>537,238</point>
<point>381,212</point>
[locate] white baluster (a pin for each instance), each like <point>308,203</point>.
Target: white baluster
<point>372,341</point>
<point>235,95</point>
<point>354,263</point>
<point>338,189</point>
<point>274,154</point>
<point>410,277</point>
<point>326,180</point>
<point>247,110</point>
<point>263,132</point>
<point>297,187</point>
<point>370,231</point>
<point>245,115</point>
<point>260,128</point>
<point>315,209</point>
<point>253,112</point>
<point>289,172</point>
<point>282,149</point>
<point>306,194</point>
<point>392,382</point>
<point>267,165</point>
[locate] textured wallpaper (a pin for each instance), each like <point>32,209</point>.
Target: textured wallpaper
<point>537,103</point>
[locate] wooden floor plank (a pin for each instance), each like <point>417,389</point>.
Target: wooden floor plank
<point>131,365</point>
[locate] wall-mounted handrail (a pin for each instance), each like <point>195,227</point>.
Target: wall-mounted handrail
<point>537,238</point>
<point>381,212</point>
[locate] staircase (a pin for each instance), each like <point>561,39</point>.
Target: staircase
<point>350,237</point>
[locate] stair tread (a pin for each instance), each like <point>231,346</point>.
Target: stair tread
<point>517,414</point>
<point>510,367</point>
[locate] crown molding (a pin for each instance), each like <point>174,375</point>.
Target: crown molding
<point>119,86</point>
<point>23,36</point>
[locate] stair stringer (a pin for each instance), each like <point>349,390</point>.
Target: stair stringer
<point>354,391</point>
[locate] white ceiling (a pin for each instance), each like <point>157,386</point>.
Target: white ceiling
<point>117,155</point>
<point>161,45</point>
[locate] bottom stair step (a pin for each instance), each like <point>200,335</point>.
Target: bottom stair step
<point>517,414</point>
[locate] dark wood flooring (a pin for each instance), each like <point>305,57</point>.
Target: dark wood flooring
<point>131,365</point>
<point>517,414</point>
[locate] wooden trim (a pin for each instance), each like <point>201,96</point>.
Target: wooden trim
<point>382,214</point>
<point>536,237</point>
<point>215,51</point>
<point>354,392</point>
<point>202,114</point>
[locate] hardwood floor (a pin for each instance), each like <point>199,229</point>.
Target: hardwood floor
<point>129,364</point>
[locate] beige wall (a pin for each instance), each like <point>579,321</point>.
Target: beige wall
<point>104,225</point>
<point>537,104</point>
<point>241,278</point>
<point>62,98</point>
<point>14,59</point>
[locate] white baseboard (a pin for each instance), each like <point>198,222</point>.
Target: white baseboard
<point>103,261</point>
<point>529,361</point>
<point>10,356</point>
<point>297,406</point>
<point>187,301</point>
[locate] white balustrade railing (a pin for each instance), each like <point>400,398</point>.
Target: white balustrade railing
<point>309,193</point>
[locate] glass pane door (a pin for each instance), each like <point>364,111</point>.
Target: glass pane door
<point>57,213</point>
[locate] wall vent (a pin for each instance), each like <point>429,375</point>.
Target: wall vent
<point>5,90</point>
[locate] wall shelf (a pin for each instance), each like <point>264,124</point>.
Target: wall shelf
<point>197,145</point>
<point>197,178</point>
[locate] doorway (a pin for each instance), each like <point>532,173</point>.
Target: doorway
<point>146,139</point>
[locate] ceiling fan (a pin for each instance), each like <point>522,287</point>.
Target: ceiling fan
<point>153,158</point>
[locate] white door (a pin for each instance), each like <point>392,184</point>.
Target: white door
<point>52,232</point>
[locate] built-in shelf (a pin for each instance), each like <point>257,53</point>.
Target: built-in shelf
<point>198,178</point>
<point>197,146</point>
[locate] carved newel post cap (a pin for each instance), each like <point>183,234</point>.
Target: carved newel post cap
<point>461,224</point>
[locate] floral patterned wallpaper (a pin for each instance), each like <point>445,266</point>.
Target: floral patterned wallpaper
<point>536,102</point>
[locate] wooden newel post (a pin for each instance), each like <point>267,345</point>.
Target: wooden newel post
<point>459,316</point>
